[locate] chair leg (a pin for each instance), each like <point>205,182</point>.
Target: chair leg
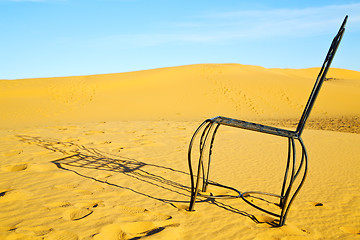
<point>195,184</point>
<point>206,180</point>
<point>291,155</point>
<point>286,188</point>
<point>207,134</point>
<point>304,165</point>
<point>286,200</point>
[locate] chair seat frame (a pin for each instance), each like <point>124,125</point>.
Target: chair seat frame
<point>295,173</point>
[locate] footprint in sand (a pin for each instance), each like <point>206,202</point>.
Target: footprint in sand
<point>7,229</point>
<point>131,210</point>
<point>83,192</point>
<point>12,153</point>
<point>42,167</point>
<point>294,230</point>
<point>58,204</point>
<point>66,186</point>
<point>145,214</point>
<point>9,224</point>
<point>141,229</point>
<point>134,228</point>
<point>18,236</point>
<point>4,191</point>
<point>103,176</point>
<point>89,205</point>
<point>131,230</point>
<point>74,189</point>
<point>61,235</point>
<point>10,195</point>
<point>71,140</point>
<point>74,214</point>
<point>352,230</point>
<point>142,141</point>
<point>111,231</point>
<point>145,229</point>
<point>36,231</point>
<point>268,221</point>
<point>17,167</point>
<point>316,204</point>
<point>181,207</point>
<point>93,132</point>
<point>119,149</point>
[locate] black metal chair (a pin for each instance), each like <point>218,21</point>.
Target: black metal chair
<point>290,188</point>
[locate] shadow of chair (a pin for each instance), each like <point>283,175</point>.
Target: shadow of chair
<point>293,170</point>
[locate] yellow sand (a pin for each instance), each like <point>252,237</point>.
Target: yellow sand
<point>105,156</point>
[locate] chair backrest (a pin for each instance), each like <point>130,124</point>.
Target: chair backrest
<point>321,77</point>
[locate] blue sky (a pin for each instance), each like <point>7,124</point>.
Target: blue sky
<point>50,38</point>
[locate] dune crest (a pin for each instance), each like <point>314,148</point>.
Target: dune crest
<point>177,93</point>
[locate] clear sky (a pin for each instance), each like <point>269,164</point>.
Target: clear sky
<point>50,38</point>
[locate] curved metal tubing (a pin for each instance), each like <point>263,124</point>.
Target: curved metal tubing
<point>291,180</point>
<point>201,169</point>
<point>205,180</point>
<point>204,137</point>
<point>244,195</point>
<point>290,146</point>
<point>193,194</point>
<point>287,196</point>
<point>202,145</point>
<point>304,162</point>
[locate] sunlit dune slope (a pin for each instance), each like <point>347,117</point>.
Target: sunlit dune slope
<point>180,93</point>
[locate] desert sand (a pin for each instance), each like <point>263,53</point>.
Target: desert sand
<point>105,156</point>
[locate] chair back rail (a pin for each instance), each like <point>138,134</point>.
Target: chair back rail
<point>321,77</point>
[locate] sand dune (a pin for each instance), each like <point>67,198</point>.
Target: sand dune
<point>105,156</point>
<point>186,92</point>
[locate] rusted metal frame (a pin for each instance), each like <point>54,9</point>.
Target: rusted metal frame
<point>253,126</point>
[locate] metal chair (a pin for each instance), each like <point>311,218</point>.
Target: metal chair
<point>290,188</point>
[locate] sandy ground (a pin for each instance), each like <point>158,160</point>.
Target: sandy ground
<point>105,156</point>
